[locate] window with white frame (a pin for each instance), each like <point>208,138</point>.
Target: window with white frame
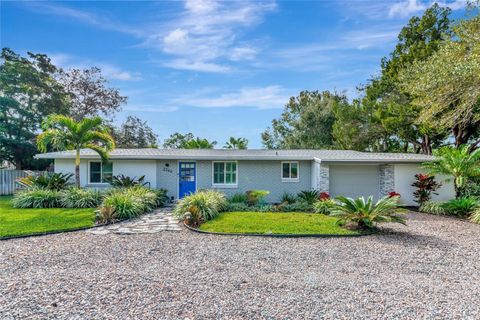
<point>225,172</point>
<point>290,170</point>
<point>100,172</point>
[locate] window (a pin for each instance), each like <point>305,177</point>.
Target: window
<point>225,173</point>
<point>290,171</point>
<point>100,172</point>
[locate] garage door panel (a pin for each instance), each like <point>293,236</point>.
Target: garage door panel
<point>354,181</point>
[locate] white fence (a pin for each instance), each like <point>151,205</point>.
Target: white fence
<point>9,177</point>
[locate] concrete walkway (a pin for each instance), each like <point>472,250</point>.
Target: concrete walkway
<point>157,221</point>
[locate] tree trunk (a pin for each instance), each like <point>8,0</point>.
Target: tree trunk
<point>77,169</point>
<point>426,145</point>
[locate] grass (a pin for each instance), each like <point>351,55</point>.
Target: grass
<point>16,222</point>
<point>275,223</point>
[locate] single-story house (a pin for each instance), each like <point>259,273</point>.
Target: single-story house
<point>181,171</point>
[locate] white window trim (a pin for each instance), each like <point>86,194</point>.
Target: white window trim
<point>297,179</point>
<point>101,174</point>
<point>224,185</point>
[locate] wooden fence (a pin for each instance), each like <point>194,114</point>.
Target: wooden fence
<point>8,179</point>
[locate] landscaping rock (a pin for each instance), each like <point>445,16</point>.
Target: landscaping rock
<point>427,270</point>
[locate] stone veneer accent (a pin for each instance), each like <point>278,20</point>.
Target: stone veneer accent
<point>387,179</point>
<point>324,178</point>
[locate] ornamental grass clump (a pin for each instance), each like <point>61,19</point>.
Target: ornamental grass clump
<point>365,213</point>
<point>130,202</point>
<point>432,208</point>
<point>200,206</point>
<point>80,198</point>
<point>37,198</point>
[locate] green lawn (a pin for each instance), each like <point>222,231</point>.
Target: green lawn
<point>275,223</point>
<point>15,222</point>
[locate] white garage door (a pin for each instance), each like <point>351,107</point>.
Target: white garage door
<point>354,180</point>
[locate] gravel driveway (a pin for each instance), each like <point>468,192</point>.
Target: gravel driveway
<point>428,270</point>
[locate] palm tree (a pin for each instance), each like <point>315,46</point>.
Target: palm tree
<point>236,143</point>
<point>199,144</point>
<point>366,213</point>
<point>459,163</point>
<point>64,133</point>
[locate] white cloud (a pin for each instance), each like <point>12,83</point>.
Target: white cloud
<point>82,16</point>
<point>408,8</point>
<point>205,36</point>
<point>110,71</point>
<point>258,97</point>
<point>150,108</point>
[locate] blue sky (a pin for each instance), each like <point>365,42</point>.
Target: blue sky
<point>216,69</point>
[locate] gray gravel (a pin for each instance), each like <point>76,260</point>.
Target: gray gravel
<point>428,270</point>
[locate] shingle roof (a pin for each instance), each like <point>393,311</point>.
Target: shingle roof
<point>250,154</point>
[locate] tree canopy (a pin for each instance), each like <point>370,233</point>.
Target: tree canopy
<point>306,122</point>
<point>135,133</point>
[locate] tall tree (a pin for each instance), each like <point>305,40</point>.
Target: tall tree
<point>187,141</point>
<point>306,122</point>
<point>236,143</point>
<point>199,143</point>
<point>64,133</point>
<point>177,140</point>
<point>392,115</point>
<point>89,93</point>
<point>135,133</point>
<point>28,93</point>
<point>447,86</point>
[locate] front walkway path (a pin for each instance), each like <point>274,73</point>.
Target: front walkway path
<point>157,221</point>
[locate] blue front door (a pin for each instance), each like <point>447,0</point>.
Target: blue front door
<point>186,179</point>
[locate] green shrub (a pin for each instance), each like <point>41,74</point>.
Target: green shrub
<point>299,206</point>
<point>130,202</point>
<point>162,197</point>
<point>365,213</point>
<point>50,181</point>
<point>238,198</point>
<point>432,208</point>
<point>80,198</point>
<point>36,198</point>
<point>125,206</point>
<point>255,197</point>
<point>309,196</point>
<point>461,207</point>
<point>475,216</point>
<point>471,188</point>
<point>324,206</point>
<point>200,206</point>
<point>236,207</point>
<point>122,181</point>
<point>288,198</point>
<point>266,208</point>
<point>147,197</point>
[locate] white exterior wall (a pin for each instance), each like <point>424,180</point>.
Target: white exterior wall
<point>137,168</point>
<point>131,168</point>
<point>405,176</point>
<point>68,166</point>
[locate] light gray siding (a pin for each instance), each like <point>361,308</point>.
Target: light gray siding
<point>167,176</point>
<point>265,175</point>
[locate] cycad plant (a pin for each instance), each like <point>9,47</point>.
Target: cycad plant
<point>366,213</point>
<point>64,133</point>
<point>459,163</point>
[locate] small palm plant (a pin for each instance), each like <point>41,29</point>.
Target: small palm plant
<point>366,213</point>
<point>459,163</point>
<point>64,133</point>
